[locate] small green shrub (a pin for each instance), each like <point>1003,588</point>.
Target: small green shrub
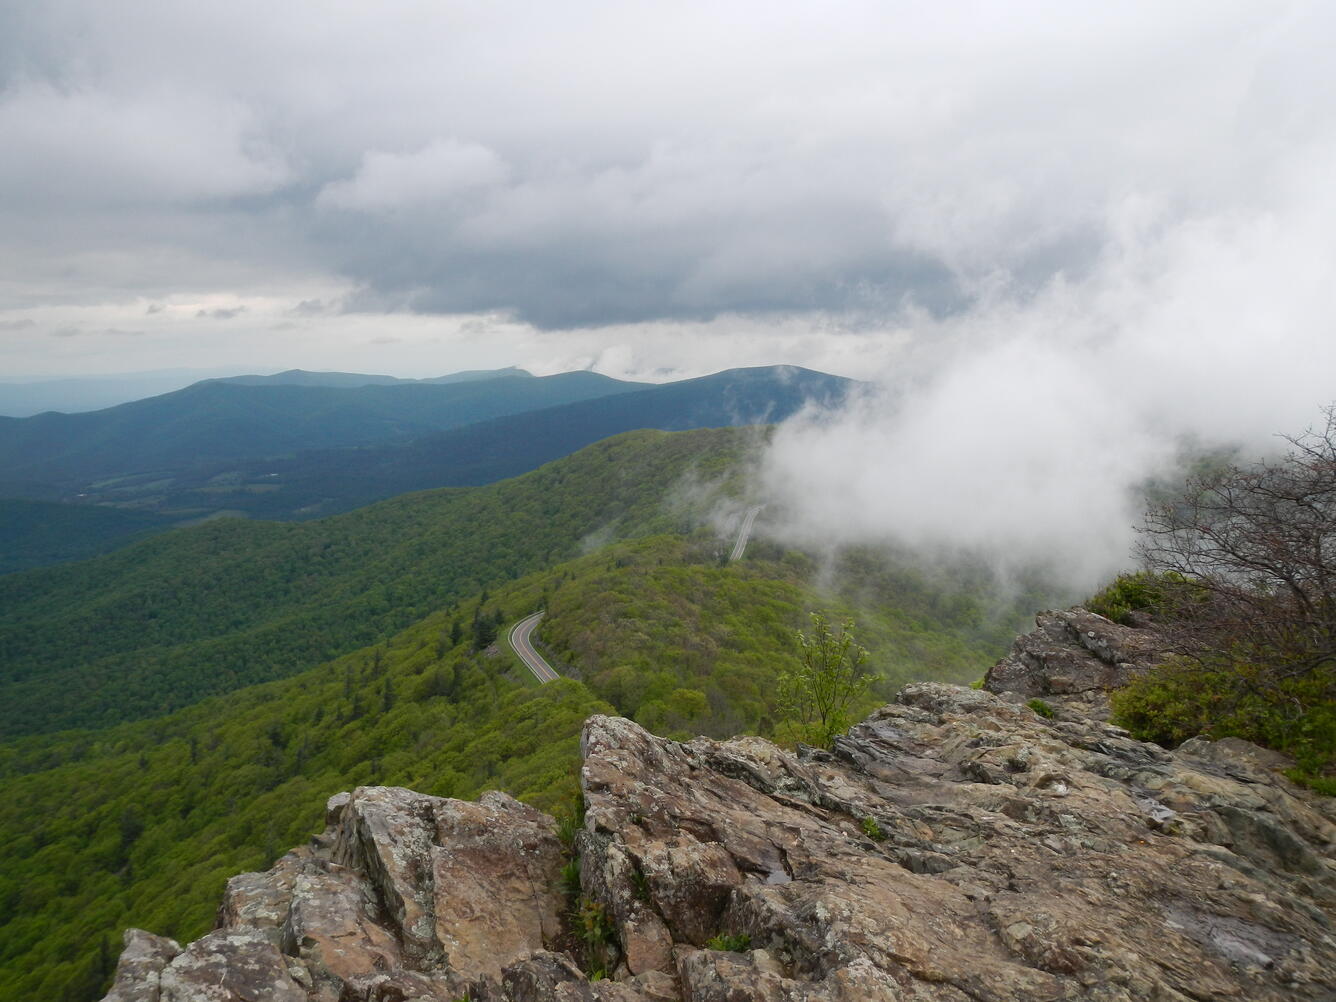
<point>641,884</point>
<point>1144,591</point>
<point>872,830</point>
<point>732,944</point>
<point>571,821</point>
<point>566,829</point>
<point>1324,785</point>
<point>593,927</point>
<point>570,878</point>
<point>819,696</point>
<point>1041,708</point>
<point>592,923</point>
<point>1231,696</point>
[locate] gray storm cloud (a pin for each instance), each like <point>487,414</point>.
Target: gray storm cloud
<point>604,164</point>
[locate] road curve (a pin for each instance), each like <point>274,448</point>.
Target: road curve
<point>744,533</point>
<point>523,646</point>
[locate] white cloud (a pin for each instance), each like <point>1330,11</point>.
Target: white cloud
<point>1023,428</point>
<point>441,172</point>
<point>595,164</point>
<point>74,148</point>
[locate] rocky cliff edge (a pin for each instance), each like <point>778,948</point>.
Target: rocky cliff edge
<point>954,846</point>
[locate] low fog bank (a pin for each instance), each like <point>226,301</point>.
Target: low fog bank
<point>1023,431</point>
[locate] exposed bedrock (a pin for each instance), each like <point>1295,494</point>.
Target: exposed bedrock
<point>954,846</point>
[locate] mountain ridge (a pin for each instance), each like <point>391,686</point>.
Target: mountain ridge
<point>306,483</point>
<point>308,377</point>
<point>222,419</point>
<point>234,602</point>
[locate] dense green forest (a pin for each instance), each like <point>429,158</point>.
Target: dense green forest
<point>685,644</point>
<point>142,823</point>
<point>38,533</point>
<point>192,613</point>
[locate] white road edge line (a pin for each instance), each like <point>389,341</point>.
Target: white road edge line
<point>745,532</point>
<point>518,638</point>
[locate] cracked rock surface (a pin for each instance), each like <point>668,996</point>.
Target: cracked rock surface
<point>954,846</point>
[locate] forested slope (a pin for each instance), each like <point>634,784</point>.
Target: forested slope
<point>142,823</point>
<point>38,533</point>
<point>686,644</point>
<point>196,612</point>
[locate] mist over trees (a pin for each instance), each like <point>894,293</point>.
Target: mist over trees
<point>1243,572</point>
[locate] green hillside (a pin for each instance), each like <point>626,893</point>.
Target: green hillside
<point>38,533</point>
<point>687,645</point>
<point>196,612</point>
<point>142,823</point>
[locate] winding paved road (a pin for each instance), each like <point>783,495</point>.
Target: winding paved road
<point>745,533</point>
<point>521,632</point>
<point>523,646</point>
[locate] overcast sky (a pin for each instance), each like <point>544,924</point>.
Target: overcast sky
<point>645,188</point>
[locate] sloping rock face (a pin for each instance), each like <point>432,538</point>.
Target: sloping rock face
<point>1074,658</point>
<point>957,846</point>
<point>403,896</point>
<point>954,846</point>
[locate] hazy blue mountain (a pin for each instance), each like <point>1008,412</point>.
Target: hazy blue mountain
<point>345,380</point>
<point>189,483</point>
<point>302,377</point>
<point>91,393</point>
<point>469,375</point>
<point>320,482</point>
<point>222,420</point>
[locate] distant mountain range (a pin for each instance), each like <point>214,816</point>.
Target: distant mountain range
<point>91,393</point>
<point>257,448</point>
<point>220,420</point>
<point>301,377</point>
<point>327,481</point>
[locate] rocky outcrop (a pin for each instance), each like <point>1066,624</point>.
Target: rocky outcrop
<point>1074,658</point>
<point>954,846</point>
